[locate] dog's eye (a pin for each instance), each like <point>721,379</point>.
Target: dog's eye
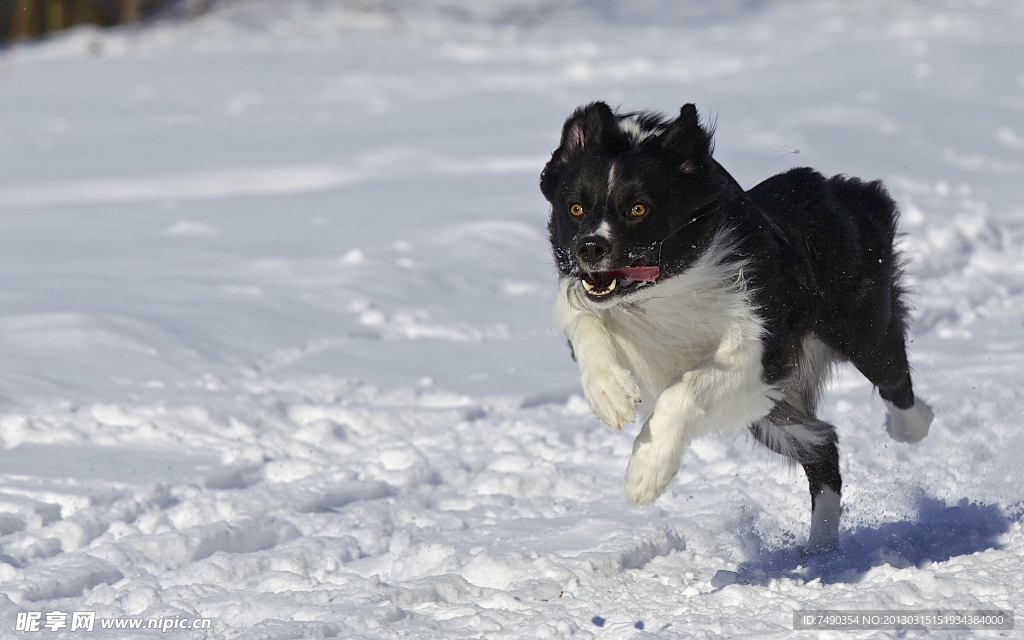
<point>576,209</point>
<point>638,210</point>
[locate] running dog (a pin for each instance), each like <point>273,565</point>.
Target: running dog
<point>718,309</point>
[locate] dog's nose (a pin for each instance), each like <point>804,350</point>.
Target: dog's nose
<point>593,249</point>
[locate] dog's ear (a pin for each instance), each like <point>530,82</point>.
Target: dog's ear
<point>687,140</point>
<point>592,126</point>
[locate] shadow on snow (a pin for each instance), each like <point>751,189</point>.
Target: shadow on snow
<point>940,532</point>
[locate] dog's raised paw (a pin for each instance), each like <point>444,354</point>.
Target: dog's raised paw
<point>909,425</point>
<point>650,470</point>
<point>644,484</point>
<point>612,394</point>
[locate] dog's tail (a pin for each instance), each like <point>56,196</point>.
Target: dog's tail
<point>875,215</point>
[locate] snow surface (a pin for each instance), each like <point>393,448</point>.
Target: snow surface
<point>274,340</point>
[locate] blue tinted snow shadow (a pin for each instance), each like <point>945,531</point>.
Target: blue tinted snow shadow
<point>940,532</point>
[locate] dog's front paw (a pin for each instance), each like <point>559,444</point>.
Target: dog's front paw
<point>612,394</point>
<point>650,469</point>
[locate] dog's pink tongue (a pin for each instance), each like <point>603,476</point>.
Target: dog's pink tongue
<point>639,273</point>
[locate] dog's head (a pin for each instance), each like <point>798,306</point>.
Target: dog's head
<point>623,190</point>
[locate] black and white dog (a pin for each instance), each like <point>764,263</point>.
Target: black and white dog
<point>720,309</point>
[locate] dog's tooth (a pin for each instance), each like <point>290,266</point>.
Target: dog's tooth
<point>593,290</point>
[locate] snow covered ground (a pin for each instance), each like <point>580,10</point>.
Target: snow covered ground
<point>273,322</point>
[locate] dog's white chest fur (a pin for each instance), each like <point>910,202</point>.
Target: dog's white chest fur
<point>689,347</point>
<point>681,322</point>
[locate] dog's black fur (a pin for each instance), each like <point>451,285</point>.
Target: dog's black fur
<point>817,253</point>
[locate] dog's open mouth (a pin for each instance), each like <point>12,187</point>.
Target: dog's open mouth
<point>603,283</point>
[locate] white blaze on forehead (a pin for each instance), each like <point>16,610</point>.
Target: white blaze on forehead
<point>611,179</point>
<point>637,133</point>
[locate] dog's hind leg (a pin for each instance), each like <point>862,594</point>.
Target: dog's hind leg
<point>884,363</point>
<point>803,438</point>
<point>873,337</point>
<point>825,484</point>
<point>909,425</point>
